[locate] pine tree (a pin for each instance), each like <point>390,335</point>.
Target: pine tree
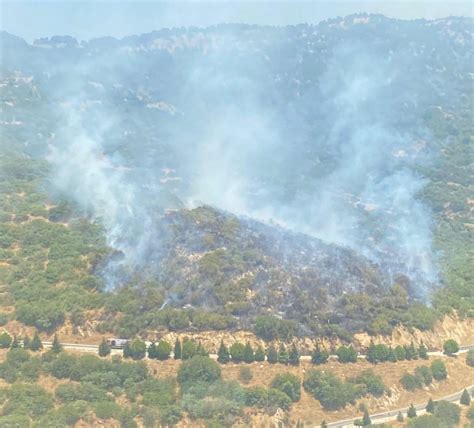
<point>177,350</point>
<point>36,343</point>
<point>400,417</point>
<point>294,356</point>
<point>201,350</point>
<point>283,355</point>
<point>104,348</point>
<point>319,355</point>
<point>248,356</point>
<point>366,419</point>
<point>259,354</point>
<point>423,352</point>
<point>465,398</point>
<point>272,355</point>
<point>223,355</point>
<point>430,407</point>
<point>15,343</point>
<point>26,342</point>
<point>152,351</point>
<point>56,346</point>
<point>411,411</point>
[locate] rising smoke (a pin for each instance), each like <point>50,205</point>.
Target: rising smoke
<point>323,149</point>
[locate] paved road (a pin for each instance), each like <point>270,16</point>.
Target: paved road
<point>391,415</point>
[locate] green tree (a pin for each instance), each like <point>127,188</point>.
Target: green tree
<point>289,384</point>
<point>152,351</point>
<point>104,349</point>
<point>400,352</point>
<point>272,355</point>
<point>319,355</point>
<point>448,413</point>
<point>423,351</point>
<point>450,347</point>
<point>223,355</point>
<point>400,417</point>
<point>346,354</point>
<point>196,370</point>
<point>470,358</point>
<point>15,343</point>
<point>294,355</point>
<point>36,343</point>
<point>136,349</point>
<point>324,424</point>
<point>248,356</point>
<point>177,349</point>
<point>411,413</point>
<point>283,356</point>
<point>366,421</point>
<point>438,369</point>
<point>56,345</point>
<point>237,352</point>
<point>465,398</point>
<point>259,354</point>
<point>430,406</point>
<point>26,342</point>
<point>163,350</point>
<point>188,349</point>
<point>5,340</point>
<point>410,352</point>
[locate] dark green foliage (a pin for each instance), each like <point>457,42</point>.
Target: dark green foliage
<point>15,343</point>
<point>188,350</point>
<point>162,351</point>
<point>319,355</point>
<point>136,349</point>
<point>267,399</point>
<point>271,328</point>
<point>177,350</point>
<point>366,421</point>
<point>36,343</point>
<point>259,354</point>
<point>411,382</point>
<point>5,340</point>
<point>346,354</point>
<point>423,373</point>
<point>237,352</point>
<point>272,355</point>
<point>56,346</point>
<point>423,352</point>
<point>450,347</point>
<point>283,357</point>
<point>27,399</point>
<point>411,413</point>
<point>470,358</point>
<point>438,370</point>
<point>26,342</point>
<point>430,406</point>
<point>245,374</point>
<point>248,355</point>
<point>378,353</point>
<point>400,352</point>
<point>410,352</point>
<point>372,382</point>
<point>106,409</point>
<point>400,417</point>
<point>465,398</point>
<point>294,355</point>
<point>448,414</point>
<point>196,370</point>
<point>104,349</point>
<point>289,384</point>
<point>332,393</point>
<point>223,355</point>
<point>425,421</point>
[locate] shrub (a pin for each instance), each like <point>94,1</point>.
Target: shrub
<point>470,358</point>
<point>319,355</point>
<point>332,393</point>
<point>162,351</point>
<point>450,347</point>
<point>237,352</point>
<point>289,384</point>
<point>411,413</point>
<point>294,355</point>
<point>425,421</point>
<point>283,357</point>
<point>27,399</point>
<point>259,354</point>
<point>272,355</point>
<point>346,354</point>
<point>106,409</point>
<point>198,369</point>
<point>448,413</point>
<point>223,355</point>
<point>5,340</point>
<point>248,355</point>
<point>245,374</point>
<point>438,369</point>
<point>424,374</point>
<point>270,328</point>
<point>136,349</point>
<point>104,349</point>
<point>372,381</point>
<point>410,382</point>
<point>465,398</point>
